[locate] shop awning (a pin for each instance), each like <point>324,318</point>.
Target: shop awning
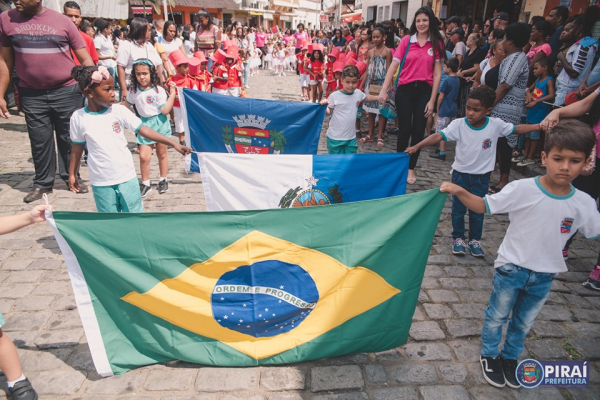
<point>114,9</point>
<point>219,4</point>
<point>255,13</point>
<point>349,18</point>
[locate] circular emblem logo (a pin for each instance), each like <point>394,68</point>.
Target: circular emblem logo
<point>430,52</point>
<point>530,373</point>
<point>311,197</point>
<point>264,299</point>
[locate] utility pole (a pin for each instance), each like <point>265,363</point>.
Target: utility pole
<point>166,11</point>
<point>339,15</point>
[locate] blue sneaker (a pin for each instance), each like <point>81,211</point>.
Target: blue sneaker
<point>475,248</point>
<point>458,247</point>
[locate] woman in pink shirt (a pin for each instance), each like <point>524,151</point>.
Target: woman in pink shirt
<point>421,54</point>
<point>261,37</point>
<point>287,37</point>
<point>301,37</point>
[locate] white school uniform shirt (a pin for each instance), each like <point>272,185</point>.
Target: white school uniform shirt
<point>105,48</point>
<point>109,160</point>
<point>148,102</point>
<point>476,147</point>
<point>541,223</point>
<point>343,119</point>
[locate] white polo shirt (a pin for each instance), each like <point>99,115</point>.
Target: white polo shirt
<point>344,106</point>
<point>148,102</point>
<point>541,223</point>
<point>109,160</point>
<point>476,147</point>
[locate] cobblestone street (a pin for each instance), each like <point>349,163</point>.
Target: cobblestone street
<point>440,361</point>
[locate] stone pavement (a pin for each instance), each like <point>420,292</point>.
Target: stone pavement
<point>440,360</point>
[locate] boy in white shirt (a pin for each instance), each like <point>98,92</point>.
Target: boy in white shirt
<point>343,104</point>
<point>544,212</point>
<point>476,138</point>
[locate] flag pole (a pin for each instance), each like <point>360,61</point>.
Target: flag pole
<point>165,10</point>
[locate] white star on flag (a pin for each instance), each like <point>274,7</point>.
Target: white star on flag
<point>225,317</point>
<point>281,287</point>
<point>266,309</point>
<point>312,181</point>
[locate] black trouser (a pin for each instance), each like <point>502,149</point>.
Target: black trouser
<point>411,100</point>
<point>46,111</point>
<point>504,154</point>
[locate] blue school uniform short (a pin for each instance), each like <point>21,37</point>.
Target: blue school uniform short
<point>2,322</point>
<point>159,123</point>
<point>123,197</point>
<point>342,146</point>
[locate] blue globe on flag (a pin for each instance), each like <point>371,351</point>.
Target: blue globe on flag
<point>264,299</point>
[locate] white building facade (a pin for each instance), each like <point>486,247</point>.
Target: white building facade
<point>382,10</point>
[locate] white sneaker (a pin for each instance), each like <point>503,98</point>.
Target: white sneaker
<point>283,74</point>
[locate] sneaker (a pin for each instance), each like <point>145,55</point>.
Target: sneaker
<point>458,246</point>
<point>163,187</point>
<point>525,161</point>
<point>182,142</point>
<point>437,151</point>
<point>517,159</point>
<point>145,189</point>
<point>492,371</point>
<point>509,367</point>
<point>283,73</point>
<point>593,281</point>
<point>23,391</point>
<point>475,248</point>
<point>438,156</point>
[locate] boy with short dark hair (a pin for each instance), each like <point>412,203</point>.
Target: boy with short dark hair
<point>343,104</point>
<point>447,106</point>
<point>476,138</point>
<point>544,212</point>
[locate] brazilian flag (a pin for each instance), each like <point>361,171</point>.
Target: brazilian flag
<point>243,288</point>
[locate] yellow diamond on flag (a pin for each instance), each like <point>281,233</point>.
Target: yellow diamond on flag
<point>263,295</point>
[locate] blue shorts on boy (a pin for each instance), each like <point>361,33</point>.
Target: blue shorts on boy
<point>122,197</point>
<point>342,146</point>
<point>109,160</point>
<point>344,106</point>
<point>148,103</point>
<point>530,256</point>
<point>473,163</point>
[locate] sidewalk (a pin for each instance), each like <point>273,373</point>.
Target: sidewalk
<point>439,362</point>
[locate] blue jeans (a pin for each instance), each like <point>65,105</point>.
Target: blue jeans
<point>477,185</point>
<point>521,291</point>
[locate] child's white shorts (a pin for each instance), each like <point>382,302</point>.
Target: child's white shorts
<point>313,82</point>
<point>304,80</point>
<point>224,92</point>
<point>178,121</point>
<point>235,91</point>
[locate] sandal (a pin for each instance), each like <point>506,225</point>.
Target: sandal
<point>366,139</point>
<point>379,142</point>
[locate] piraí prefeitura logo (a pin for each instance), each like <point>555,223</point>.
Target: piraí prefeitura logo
<point>532,373</point>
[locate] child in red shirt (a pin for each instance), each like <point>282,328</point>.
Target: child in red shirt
<point>301,59</point>
<point>330,80</point>
<point>235,73</point>
<point>315,71</point>
<point>220,73</point>
<point>181,80</point>
<point>201,74</point>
